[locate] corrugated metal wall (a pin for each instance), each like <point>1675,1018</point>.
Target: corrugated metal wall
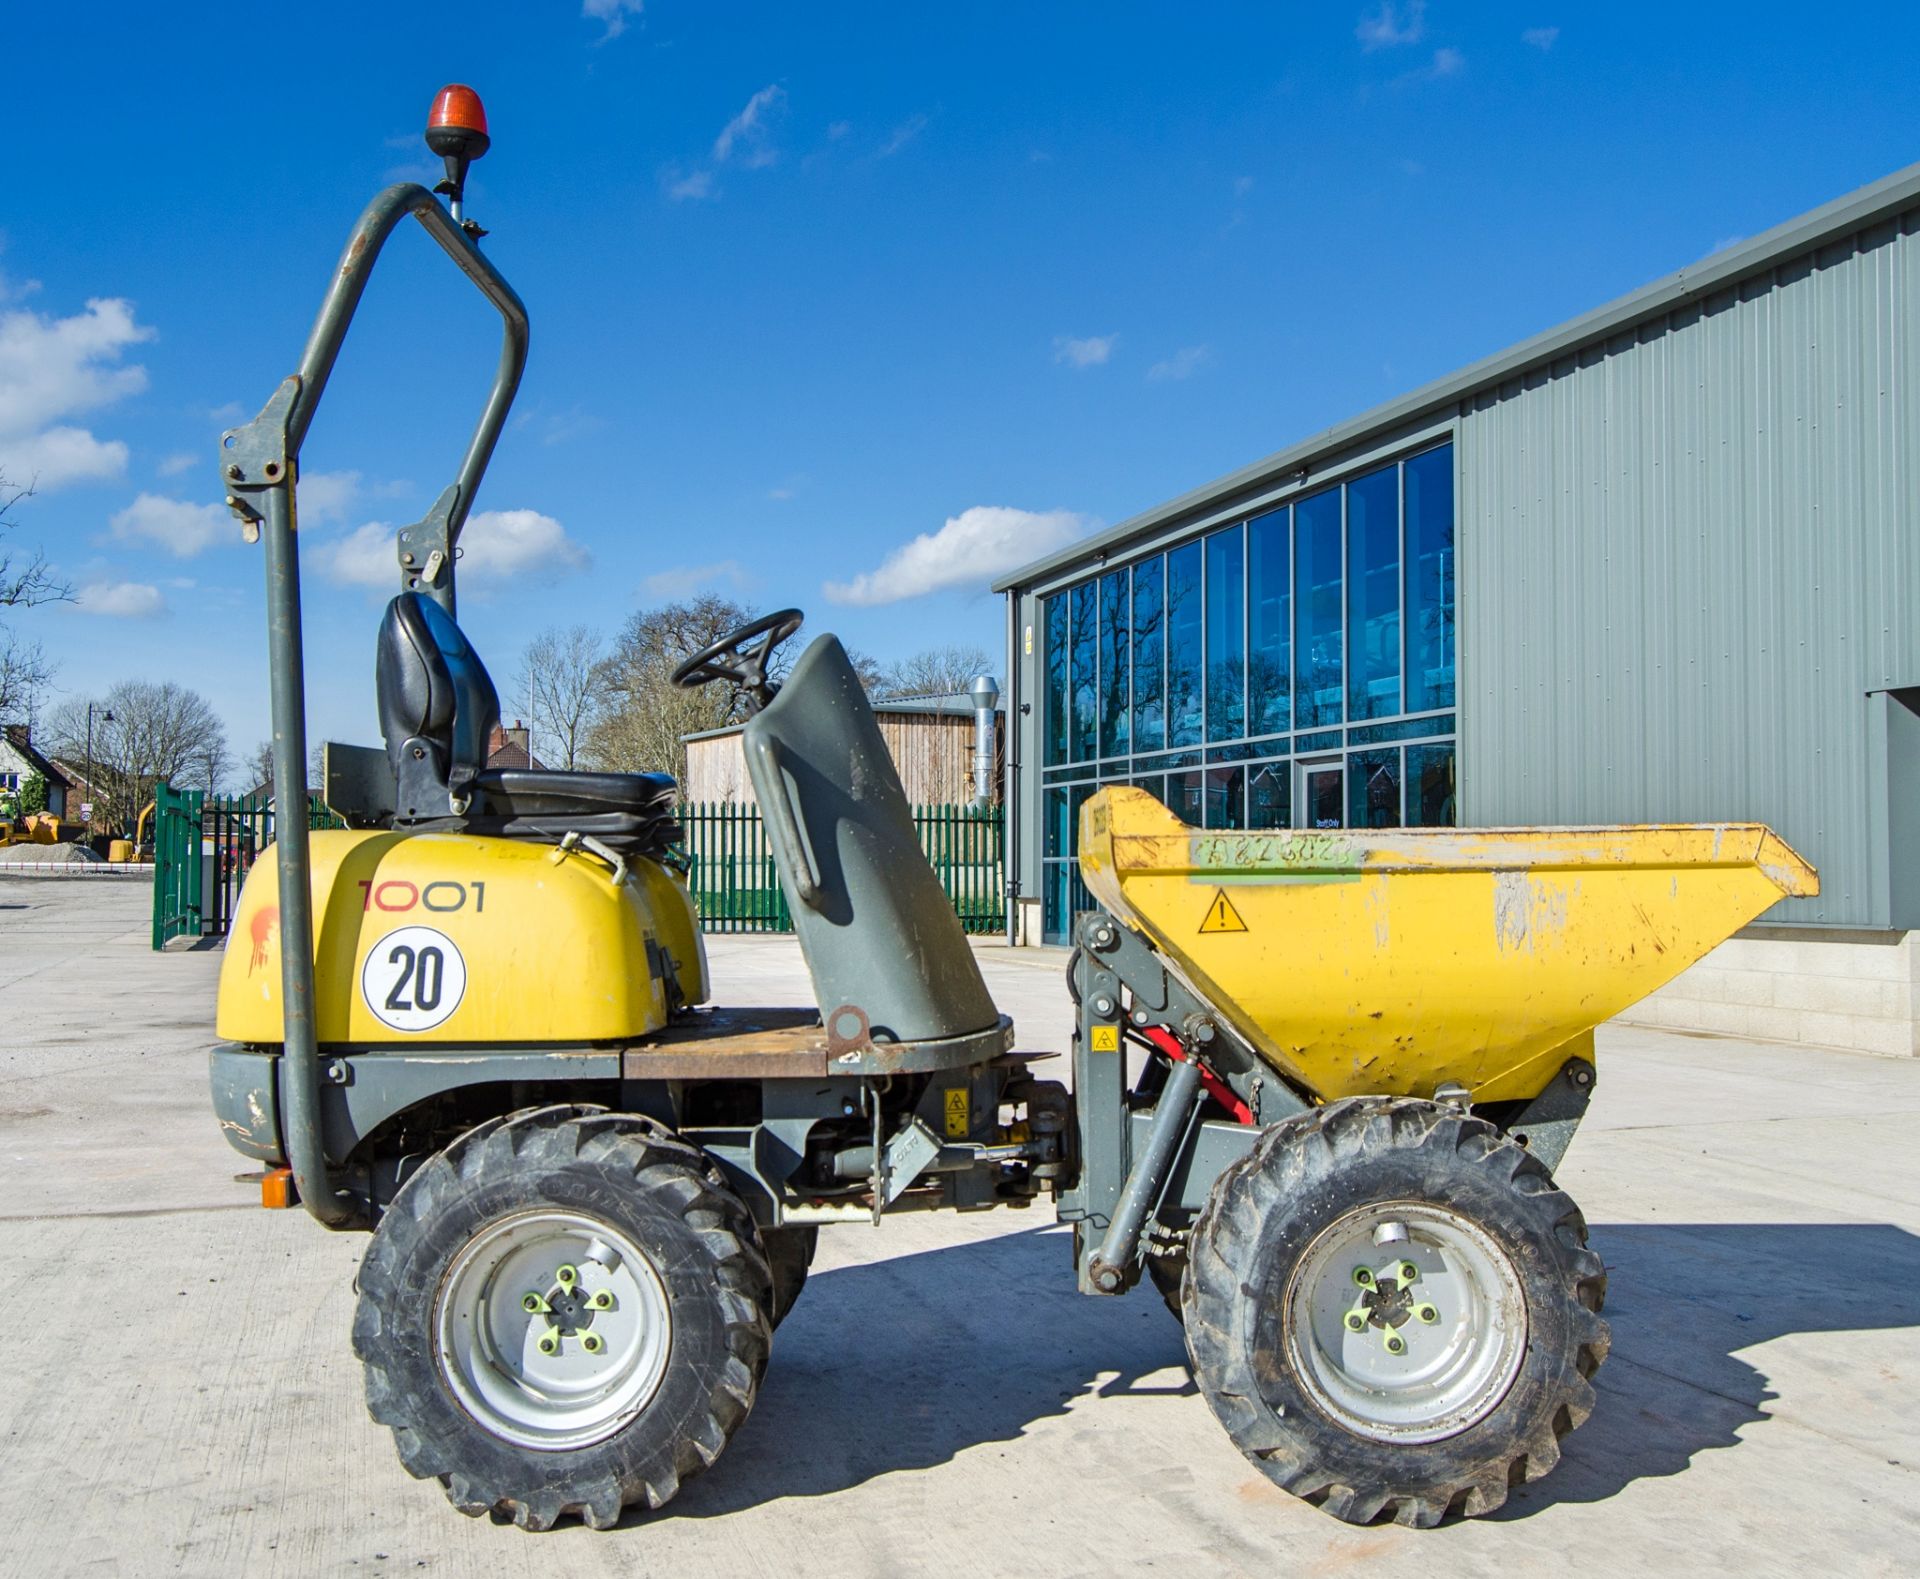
<point>1685,557</point>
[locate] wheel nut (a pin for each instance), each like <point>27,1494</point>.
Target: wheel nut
<point>592,1342</point>
<point>1406,1271</point>
<point>1356,1322</point>
<point>566,1277</point>
<point>600,1299</point>
<point>549,1342</point>
<point>1363,1276</point>
<point>1396,1344</point>
<point>532,1304</point>
<point>1427,1313</point>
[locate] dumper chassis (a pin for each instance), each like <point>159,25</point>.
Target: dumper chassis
<point>472,1022</point>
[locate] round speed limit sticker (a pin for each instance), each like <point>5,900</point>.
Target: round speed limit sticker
<point>413,979</point>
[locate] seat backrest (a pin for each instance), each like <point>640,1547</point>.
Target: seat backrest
<point>877,929</point>
<point>438,707</point>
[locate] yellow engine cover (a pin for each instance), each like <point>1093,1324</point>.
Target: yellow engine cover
<point>456,938</point>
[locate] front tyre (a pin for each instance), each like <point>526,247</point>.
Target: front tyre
<point>566,1311</point>
<point>1393,1311</point>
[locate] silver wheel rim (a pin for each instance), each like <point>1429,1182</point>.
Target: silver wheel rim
<point>1406,1358</point>
<point>552,1329</point>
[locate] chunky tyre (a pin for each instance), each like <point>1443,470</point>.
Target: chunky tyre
<point>566,1311</point>
<point>789,1255</point>
<point>1393,1311</point>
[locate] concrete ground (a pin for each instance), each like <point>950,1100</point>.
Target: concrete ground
<point>177,1393</point>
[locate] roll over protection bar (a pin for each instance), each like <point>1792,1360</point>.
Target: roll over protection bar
<point>259,466</point>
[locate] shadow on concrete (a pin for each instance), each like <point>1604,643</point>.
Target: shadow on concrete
<point>903,1364</point>
<point>1684,1300</point>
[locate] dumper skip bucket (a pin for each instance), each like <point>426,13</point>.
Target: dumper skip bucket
<point>1400,961</point>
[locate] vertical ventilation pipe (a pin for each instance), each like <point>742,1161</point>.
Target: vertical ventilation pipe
<point>985,694</point>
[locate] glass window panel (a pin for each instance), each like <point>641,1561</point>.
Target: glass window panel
<point>1373,595</point>
<point>1184,651</point>
<point>1058,840</point>
<point>1318,692</point>
<point>1187,796</point>
<point>1430,580</point>
<point>1226,798</point>
<point>1226,635</point>
<point>1116,706</point>
<point>1054,622</point>
<point>1322,786</point>
<point>1054,921</point>
<point>1077,796</point>
<point>1270,621</point>
<point>1086,692</point>
<point>1373,789</point>
<point>1149,655</point>
<point>1270,795</point>
<point>1430,801</point>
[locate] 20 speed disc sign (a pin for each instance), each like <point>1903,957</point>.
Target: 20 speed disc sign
<point>413,979</point>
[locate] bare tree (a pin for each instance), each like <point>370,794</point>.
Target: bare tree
<point>936,671</point>
<point>560,678</point>
<point>158,731</point>
<point>24,668</point>
<point>643,717</point>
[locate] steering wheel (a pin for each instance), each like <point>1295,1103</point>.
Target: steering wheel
<point>737,657</point>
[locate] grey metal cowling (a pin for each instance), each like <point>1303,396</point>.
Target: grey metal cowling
<point>985,695</point>
<point>877,929</point>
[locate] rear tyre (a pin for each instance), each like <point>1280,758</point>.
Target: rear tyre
<point>566,1311</point>
<point>1393,1311</point>
<point>789,1254</point>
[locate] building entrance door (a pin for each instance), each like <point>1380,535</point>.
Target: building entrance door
<point>1322,798</point>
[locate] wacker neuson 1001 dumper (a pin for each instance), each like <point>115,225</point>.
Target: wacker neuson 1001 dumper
<point>1320,1080</point>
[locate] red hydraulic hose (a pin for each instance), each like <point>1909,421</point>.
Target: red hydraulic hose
<point>1214,1086</point>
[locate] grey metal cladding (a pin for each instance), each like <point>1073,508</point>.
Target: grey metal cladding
<point>1686,555</point>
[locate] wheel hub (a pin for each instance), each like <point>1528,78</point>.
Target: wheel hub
<point>552,1329</point>
<point>1405,1322</point>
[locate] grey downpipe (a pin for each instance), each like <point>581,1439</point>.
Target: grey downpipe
<point>1148,1178</point>
<point>985,693</point>
<point>260,467</point>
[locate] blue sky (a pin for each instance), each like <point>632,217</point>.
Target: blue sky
<point>810,283</point>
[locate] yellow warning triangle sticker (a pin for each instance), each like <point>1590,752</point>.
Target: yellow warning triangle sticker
<point>1221,916</point>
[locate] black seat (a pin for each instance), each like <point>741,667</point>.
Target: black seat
<point>438,709</point>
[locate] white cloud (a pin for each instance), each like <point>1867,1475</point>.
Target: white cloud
<point>746,139</point>
<point>838,130</point>
<point>1541,38</point>
<point>610,14</point>
<point>327,497</point>
<point>60,455</point>
<point>182,528</point>
<point>969,551</point>
<point>686,580</point>
<point>1242,185</point>
<point>1447,62</point>
<point>901,135</point>
<point>1090,352</point>
<point>52,368</point>
<point>696,185</point>
<point>1184,363</point>
<point>495,546</point>
<point>179,461</point>
<point>120,600</point>
<point>1392,25</point>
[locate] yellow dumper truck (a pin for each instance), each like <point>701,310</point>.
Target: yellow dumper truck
<point>1320,1081</point>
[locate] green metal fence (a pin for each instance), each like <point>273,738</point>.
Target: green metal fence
<point>203,847</point>
<point>736,888</point>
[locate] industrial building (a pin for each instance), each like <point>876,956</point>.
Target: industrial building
<point>1661,563</point>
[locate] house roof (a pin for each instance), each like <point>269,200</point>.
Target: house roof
<point>17,737</point>
<point>1892,195</point>
<point>505,749</point>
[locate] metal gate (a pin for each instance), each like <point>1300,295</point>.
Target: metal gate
<point>203,847</point>
<point>736,887</point>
